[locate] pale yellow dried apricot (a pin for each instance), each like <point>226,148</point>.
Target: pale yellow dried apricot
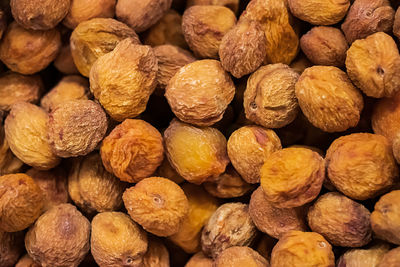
<point>365,257</point>
<point>391,259</point>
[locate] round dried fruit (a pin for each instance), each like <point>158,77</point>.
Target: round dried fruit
<point>240,256</point>
<point>204,27</point>
<point>292,177</point>
<point>53,184</point>
<point>361,165</point>
<point>72,87</point>
<point>146,12</point>
<point>299,249</point>
<point>117,241</point>
<point>157,255</point>
<point>325,46</point>
<point>231,4</point>
<point>64,62</point>
<point>166,170</point>
<point>319,12</point>
<point>385,219</point>
<point>272,220</point>
<point>200,92</point>
<point>248,148</point>
<point>15,87</point>
<point>366,17</point>
<point>369,257</point>
<point>123,80</point>
<point>199,260</point>
<point>11,247</point>
<point>83,10</point>
<point>372,65</point>
<point>201,207</point>
<point>92,188</point>
<point>396,25</point>
<point>243,48</point>
<point>157,204</point>
<point>133,150</point>
<point>9,163</point>
<point>342,221</point>
<point>385,117</point>
<point>39,15</point>
<point>94,38</point>
<point>60,237</point>
<point>28,51</point>
<point>26,130</point>
<point>76,127</point>
<point>26,261</point>
<point>328,98</point>
<point>269,99</point>
<point>391,259</point>
<point>197,154</point>
<point>229,226</point>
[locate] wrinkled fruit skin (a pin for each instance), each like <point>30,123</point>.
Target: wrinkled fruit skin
<point>361,165</point>
<point>297,249</point>
<point>391,259</point>
<point>60,237</point>
<point>133,150</point>
<point>372,65</point>
<point>292,177</point>
<point>11,247</point>
<point>328,98</point>
<point>385,219</point>
<point>240,256</point>
<point>230,225</point>
<point>269,98</point>
<point>199,260</point>
<point>342,221</point>
<point>117,241</point>
<point>370,257</point>
<point>157,204</point>
<point>157,254</point>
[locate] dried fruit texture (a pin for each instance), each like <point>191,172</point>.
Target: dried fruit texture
<point>11,247</point>
<point>292,177</point>
<point>269,99</point>
<point>228,185</point>
<point>197,154</point>
<point>166,170</point>
<point>231,4</point>
<point>200,92</point>
<point>366,17</point>
<point>26,132</point>
<point>133,150</point>
<point>21,202</point>
<point>53,184</point>
<point>60,237</point>
<point>157,204</point>
<point>372,65</point>
<point>369,257</point>
<point>272,220</point>
<point>325,46</point>
<point>328,98</point>
<point>28,51</point>
<point>81,11</point>
<point>201,207</point>
<point>229,226</point>
<point>297,249</point>
<point>39,15</point>
<point>92,188</point>
<point>147,12</point>
<point>248,148</point>
<point>243,48</point>
<point>300,63</point>
<point>9,163</point>
<point>342,221</point>
<point>391,259</point>
<point>199,260</point>
<point>26,261</point>
<point>170,59</point>
<point>94,38</point>
<point>319,12</point>
<point>385,117</point>
<point>240,256</point>
<point>396,148</point>
<point>157,255</point>
<point>168,30</point>
<point>72,87</point>
<point>64,62</point>
<point>361,165</point>
<point>275,20</point>
<point>385,219</point>
<point>76,127</point>
<point>15,87</point>
<point>117,241</point>
<point>396,24</point>
<point>204,27</point>
<point>123,80</point>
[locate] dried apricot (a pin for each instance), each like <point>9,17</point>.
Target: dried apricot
<point>199,260</point>
<point>366,257</point>
<point>391,259</point>
<point>11,247</point>
<point>157,254</point>
<point>240,256</point>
